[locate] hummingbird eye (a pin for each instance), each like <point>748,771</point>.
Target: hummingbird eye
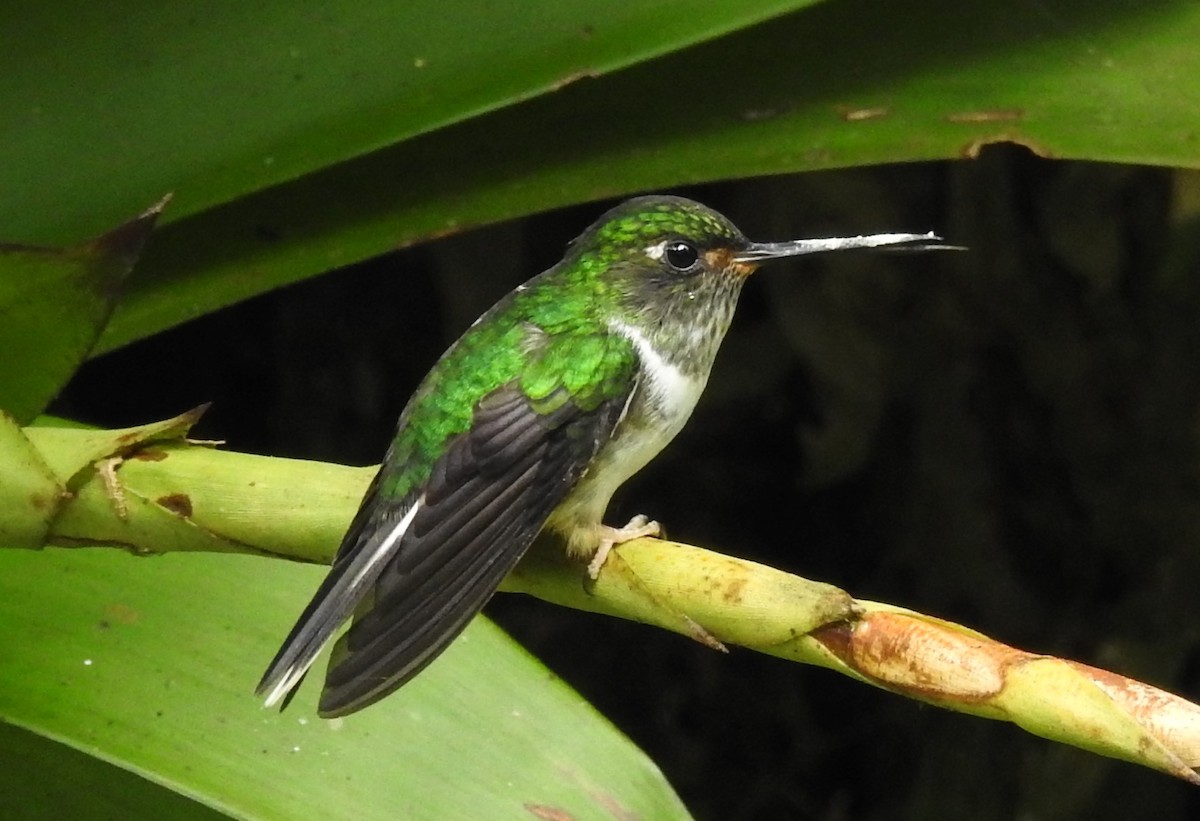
<point>681,255</point>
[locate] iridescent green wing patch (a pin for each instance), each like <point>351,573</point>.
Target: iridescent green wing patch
<point>585,369</point>
<point>487,357</point>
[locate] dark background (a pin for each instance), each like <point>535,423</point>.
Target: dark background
<point>1008,438</point>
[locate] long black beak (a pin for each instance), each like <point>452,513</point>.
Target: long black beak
<point>762,251</point>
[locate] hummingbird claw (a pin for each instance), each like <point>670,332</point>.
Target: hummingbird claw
<point>637,527</point>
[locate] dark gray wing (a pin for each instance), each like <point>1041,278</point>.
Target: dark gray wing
<point>485,501</point>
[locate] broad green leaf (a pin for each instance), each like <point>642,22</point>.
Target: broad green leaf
<point>53,304</point>
<point>150,663</point>
<point>109,105</point>
<point>819,88</point>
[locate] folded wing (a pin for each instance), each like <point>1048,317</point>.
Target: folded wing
<point>415,571</point>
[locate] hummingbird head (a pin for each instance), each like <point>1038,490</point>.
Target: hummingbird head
<point>674,268</point>
<point>665,262</point>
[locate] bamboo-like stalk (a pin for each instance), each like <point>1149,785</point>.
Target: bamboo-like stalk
<point>149,490</point>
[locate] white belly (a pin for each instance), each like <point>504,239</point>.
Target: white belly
<point>661,404</point>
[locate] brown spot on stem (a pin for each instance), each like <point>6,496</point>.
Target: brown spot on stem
<point>920,657</point>
<point>732,593</point>
<point>178,503</point>
<point>545,812</point>
<point>149,455</point>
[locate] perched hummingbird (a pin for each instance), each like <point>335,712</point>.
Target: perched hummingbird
<point>529,422</point>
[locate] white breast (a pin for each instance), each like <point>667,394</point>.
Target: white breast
<point>662,402</point>
<point>671,392</point>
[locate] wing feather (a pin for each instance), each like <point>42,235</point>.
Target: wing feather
<point>416,570</point>
<point>464,540</point>
<point>334,601</point>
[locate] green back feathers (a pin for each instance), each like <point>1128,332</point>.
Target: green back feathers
<point>548,338</point>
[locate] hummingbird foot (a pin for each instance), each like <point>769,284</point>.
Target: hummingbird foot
<point>610,537</point>
<point>624,578</point>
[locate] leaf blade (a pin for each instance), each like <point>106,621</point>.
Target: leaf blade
<point>53,305</point>
<point>102,670</point>
<point>749,104</point>
<point>218,105</point>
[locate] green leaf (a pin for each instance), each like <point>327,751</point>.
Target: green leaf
<point>109,104</point>
<point>43,780</point>
<point>53,305</point>
<point>150,663</point>
<point>819,88</point>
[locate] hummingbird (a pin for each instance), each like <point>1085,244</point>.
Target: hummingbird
<point>529,423</point>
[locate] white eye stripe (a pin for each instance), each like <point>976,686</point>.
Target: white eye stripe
<point>667,248</point>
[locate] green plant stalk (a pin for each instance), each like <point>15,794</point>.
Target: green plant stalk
<point>150,491</point>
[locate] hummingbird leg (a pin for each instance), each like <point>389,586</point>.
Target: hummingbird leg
<point>610,537</point>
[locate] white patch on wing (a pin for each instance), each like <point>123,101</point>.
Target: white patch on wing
<point>291,678</point>
<point>369,570</point>
<point>347,591</point>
